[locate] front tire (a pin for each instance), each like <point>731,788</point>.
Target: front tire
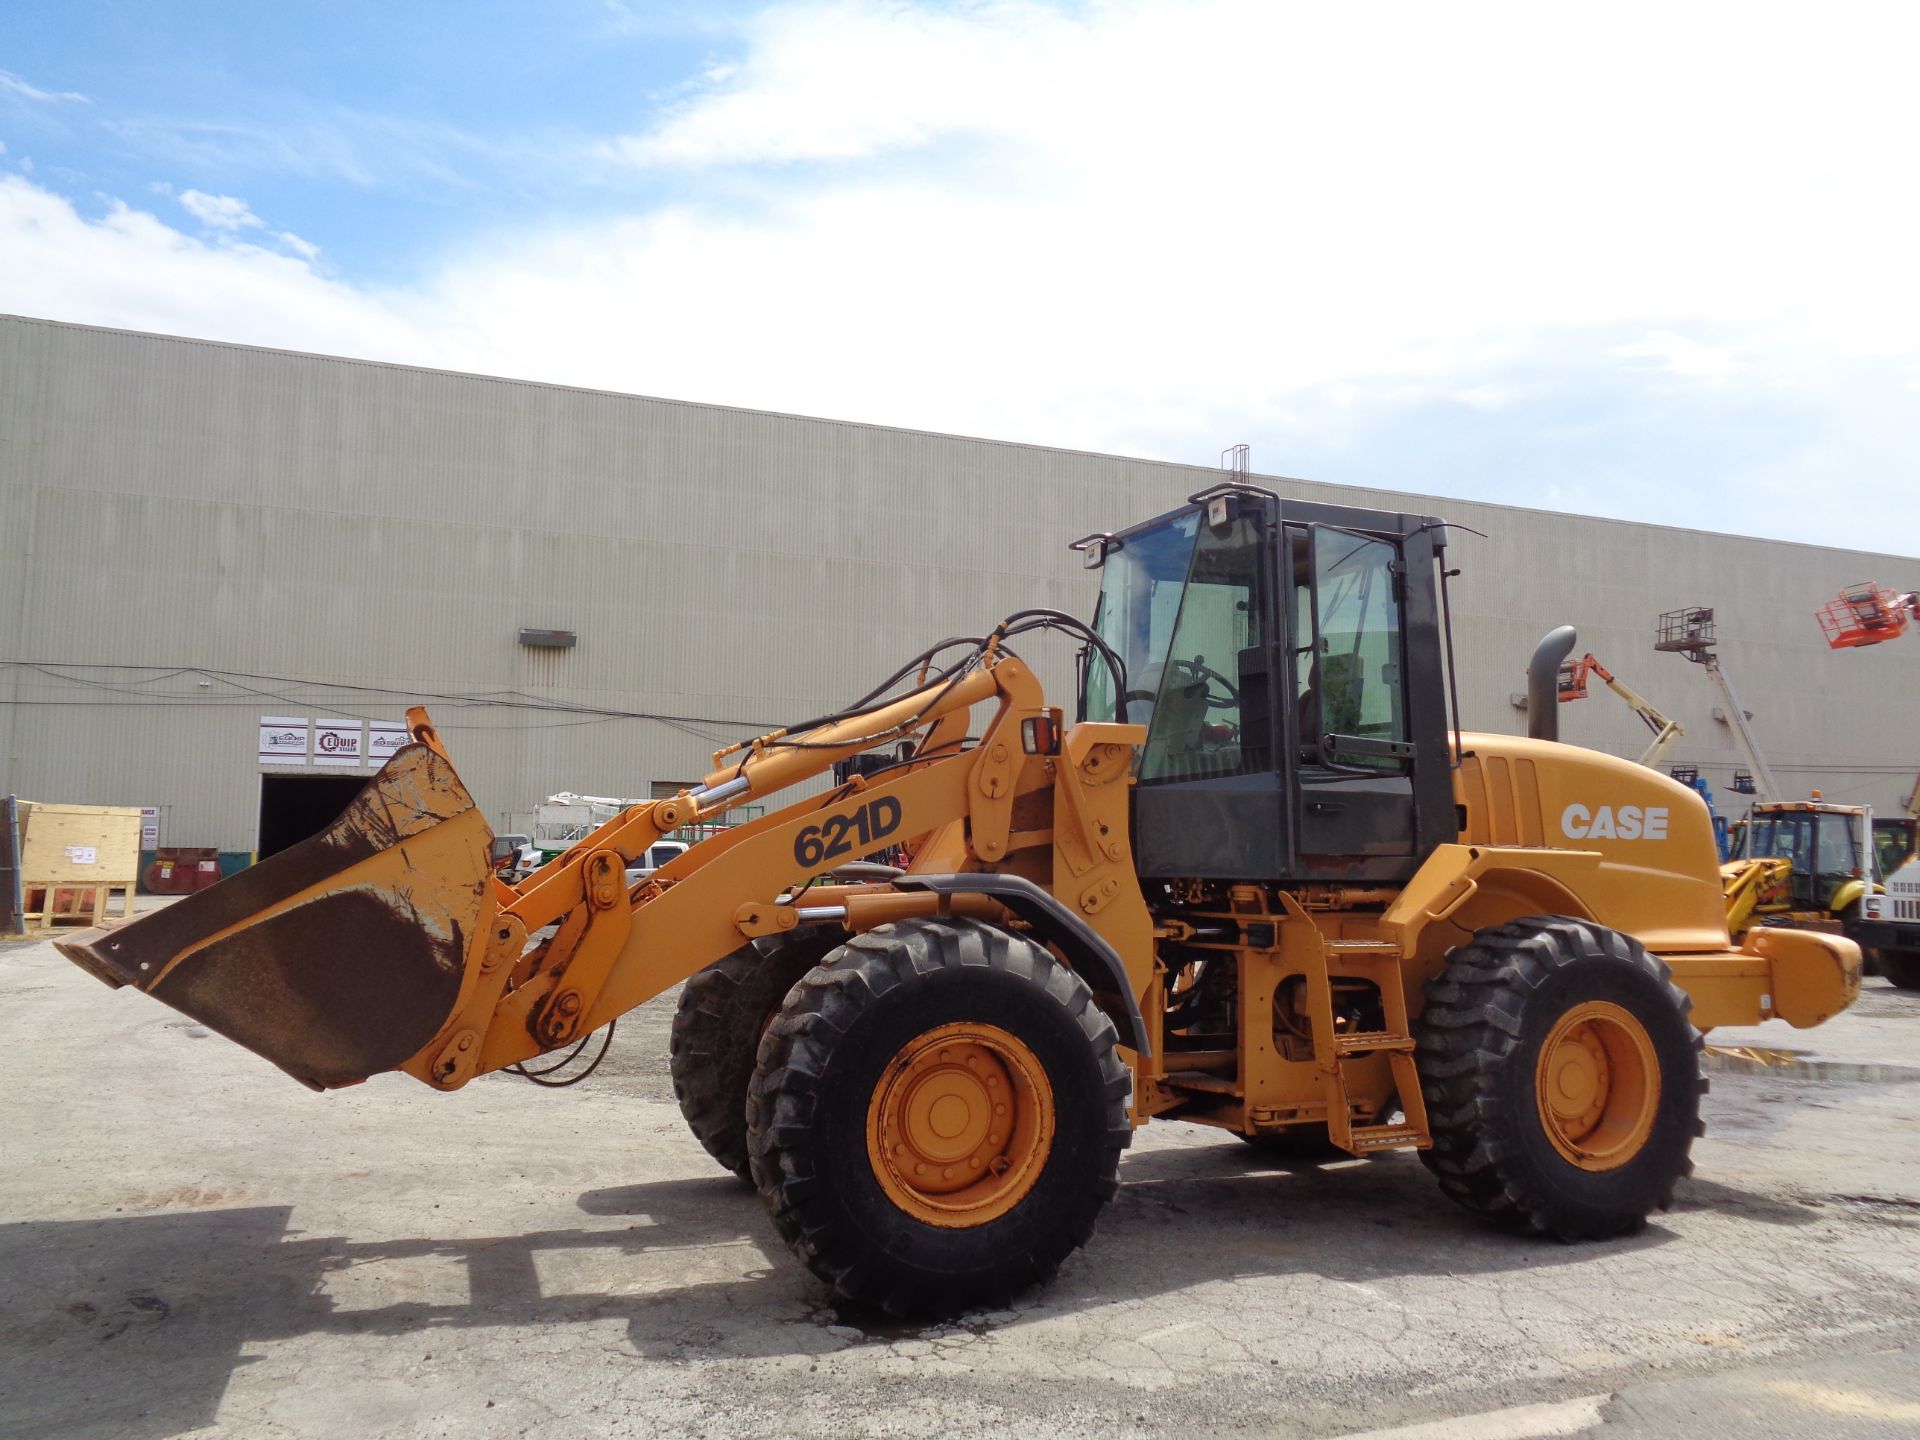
<point>1561,1076</point>
<point>937,1116</point>
<point>716,1032</point>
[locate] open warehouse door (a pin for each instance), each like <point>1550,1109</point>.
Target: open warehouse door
<point>296,807</point>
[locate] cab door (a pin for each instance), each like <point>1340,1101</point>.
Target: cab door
<point>1354,758</point>
<point>1208,799</point>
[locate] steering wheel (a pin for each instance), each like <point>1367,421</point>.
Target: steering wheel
<point>1206,675</point>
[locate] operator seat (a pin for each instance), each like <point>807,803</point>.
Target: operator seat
<point>1175,740</point>
<point>1309,712</point>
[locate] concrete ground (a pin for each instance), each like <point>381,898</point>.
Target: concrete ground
<point>189,1241</point>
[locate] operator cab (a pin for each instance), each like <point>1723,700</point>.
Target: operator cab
<point>1285,659</point>
<point>1821,842</point>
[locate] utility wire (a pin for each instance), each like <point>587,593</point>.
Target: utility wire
<point>235,681</point>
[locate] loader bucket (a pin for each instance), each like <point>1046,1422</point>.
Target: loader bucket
<point>340,957</point>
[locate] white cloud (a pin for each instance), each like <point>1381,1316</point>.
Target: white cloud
<point>1516,252</point>
<point>305,249</point>
<point>364,149</point>
<point>1679,355</point>
<point>220,212</point>
<point>130,270</point>
<point>620,18</point>
<point>14,85</point>
<point>852,79</point>
<point>228,215</point>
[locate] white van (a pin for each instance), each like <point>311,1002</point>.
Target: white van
<point>658,854</point>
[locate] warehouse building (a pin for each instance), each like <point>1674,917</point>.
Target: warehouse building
<point>225,572</point>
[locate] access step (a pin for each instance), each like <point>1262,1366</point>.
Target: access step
<point>1365,1042</point>
<point>1365,1139</point>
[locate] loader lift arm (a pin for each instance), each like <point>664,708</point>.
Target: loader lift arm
<point>385,942</point>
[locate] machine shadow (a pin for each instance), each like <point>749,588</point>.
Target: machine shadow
<point>136,1324</point>
<point>1697,1194</point>
<point>1196,1213</point>
<point>133,1325</point>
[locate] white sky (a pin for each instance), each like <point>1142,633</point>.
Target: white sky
<point>1649,261</point>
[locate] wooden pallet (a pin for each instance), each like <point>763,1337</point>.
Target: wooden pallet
<point>54,904</point>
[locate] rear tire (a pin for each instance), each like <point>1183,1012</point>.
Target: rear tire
<point>937,1116</point>
<point>716,1032</point>
<point>1901,967</point>
<point>1562,1078</point>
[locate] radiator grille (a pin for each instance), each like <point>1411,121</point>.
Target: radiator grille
<point>1503,801</point>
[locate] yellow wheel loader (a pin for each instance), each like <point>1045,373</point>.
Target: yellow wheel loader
<point>1262,883</point>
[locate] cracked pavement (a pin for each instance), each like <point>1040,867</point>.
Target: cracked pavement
<point>194,1243</point>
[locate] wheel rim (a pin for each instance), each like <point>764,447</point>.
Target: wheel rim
<point>960,1126</point>
<point>1598,1085</point>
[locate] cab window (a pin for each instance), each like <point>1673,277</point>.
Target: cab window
<point>1194,732</point>
<point>1140,590</point>
<point>1348,676</point>
<point>1839,848</point>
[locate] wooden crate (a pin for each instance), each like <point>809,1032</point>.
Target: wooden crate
<point>73,858</point>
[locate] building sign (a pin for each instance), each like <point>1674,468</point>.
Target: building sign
<point>384,737</point>
<point>337,742</point>
<point>149,827</point>
<point>283,740</point>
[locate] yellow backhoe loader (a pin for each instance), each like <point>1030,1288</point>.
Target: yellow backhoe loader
<point>1805,863</point>
<point>1263,883</point>
<point>1814,865</point>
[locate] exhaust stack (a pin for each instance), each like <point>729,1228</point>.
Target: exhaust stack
<point>1543,674</point>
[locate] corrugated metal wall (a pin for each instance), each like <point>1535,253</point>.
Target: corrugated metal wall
<point>295,520</point>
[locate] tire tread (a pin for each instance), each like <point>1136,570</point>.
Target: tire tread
<point>796,1052</point>
<point>1473,1024</point>
<point>715,1036</point>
